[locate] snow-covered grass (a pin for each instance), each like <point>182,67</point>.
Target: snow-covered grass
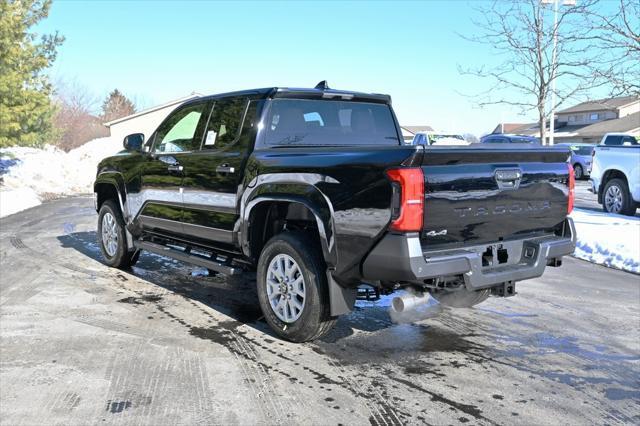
<point>608,239</point>
<point>29,175</point>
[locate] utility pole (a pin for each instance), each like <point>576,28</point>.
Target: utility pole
<point>552,118</point>
<point>552,123</point>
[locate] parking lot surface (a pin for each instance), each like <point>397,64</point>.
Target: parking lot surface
<point>85,344</point>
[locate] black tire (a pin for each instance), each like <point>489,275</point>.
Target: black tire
<point>578,171</point>
<point>617,188</point>
<point>315,318</point>
<point>461,298</point>
<point>124,256</point>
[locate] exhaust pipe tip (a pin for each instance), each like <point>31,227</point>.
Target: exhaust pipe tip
<point>413,307</point>
<point>397,304</point>
<point>406,302</point>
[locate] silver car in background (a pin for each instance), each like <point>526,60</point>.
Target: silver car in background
<point>439,139</point>
<point>580,158</point>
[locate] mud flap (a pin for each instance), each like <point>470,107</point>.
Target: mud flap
<point>341,299</point>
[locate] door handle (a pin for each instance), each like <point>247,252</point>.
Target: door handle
<point>175,168</point>
<point>225,168</point>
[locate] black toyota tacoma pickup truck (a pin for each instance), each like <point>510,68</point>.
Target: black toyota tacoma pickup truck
<point>315,192</point>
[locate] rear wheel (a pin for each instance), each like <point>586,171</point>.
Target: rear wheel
<point>293,289</point>
<point>616,198</point>
<point>462,298</point>
<point>112,237</point>
<point>578,171</point>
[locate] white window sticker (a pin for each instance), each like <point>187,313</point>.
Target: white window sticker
<point>211,138</point>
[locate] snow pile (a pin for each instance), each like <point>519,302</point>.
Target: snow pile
<point>608,239</point>
<point>29,173</point>
<point>15,200</point>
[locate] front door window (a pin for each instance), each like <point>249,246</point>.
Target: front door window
<point>181,131</point>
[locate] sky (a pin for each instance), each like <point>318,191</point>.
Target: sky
<point>156,51</point>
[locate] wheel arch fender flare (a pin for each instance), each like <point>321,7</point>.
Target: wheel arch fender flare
<point>341,299</point>
<point>300,188</point>
<point>324,224</point>
<point>116,180</point>
<point>607,175</point>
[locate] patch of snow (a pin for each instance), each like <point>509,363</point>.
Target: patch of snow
<point>200,272</point>
<point>608,239</point>
<point>50,172</point>
<point>15,200</point>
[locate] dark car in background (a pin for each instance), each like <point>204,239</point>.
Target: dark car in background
<point>580,158</point>
<point>504,138</point>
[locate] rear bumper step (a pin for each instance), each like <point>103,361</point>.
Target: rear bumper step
<point>401,258</point>
<point>187,258</point>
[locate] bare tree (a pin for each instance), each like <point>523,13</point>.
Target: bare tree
<point>522,70</point>
<point>617,37</point>
<point>74,120</point>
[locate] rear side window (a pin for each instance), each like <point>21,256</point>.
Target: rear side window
<point>316,122</point>
<point>497,140</point>
<point>613,140</point>
<point>225,122</point>
<point>522,140</point>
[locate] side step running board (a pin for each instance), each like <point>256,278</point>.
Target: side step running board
<point>186,257</point>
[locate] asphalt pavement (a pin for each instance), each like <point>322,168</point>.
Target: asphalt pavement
<point>586,200</point>
<point>85,344</point>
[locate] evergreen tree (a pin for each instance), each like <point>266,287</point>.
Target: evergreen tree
<point>116,106</point>
<point>25,105</point>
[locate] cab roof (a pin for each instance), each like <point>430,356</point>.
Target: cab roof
<point>304,93</point>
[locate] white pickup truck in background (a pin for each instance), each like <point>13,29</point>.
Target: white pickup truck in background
<point>615,173</point>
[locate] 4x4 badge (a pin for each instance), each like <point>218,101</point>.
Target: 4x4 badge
<point>436,233</point>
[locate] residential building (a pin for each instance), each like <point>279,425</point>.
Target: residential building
<point>529,129</point>
<point>145,121</point>
<point>587,122</point>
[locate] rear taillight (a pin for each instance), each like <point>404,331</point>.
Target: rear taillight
<point>408,211</point>
<point>572,188</point>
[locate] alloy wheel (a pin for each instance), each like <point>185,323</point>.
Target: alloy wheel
<point>613,199</point>
<point>285,288</point>
<point>109,234</point>
<point>577,172</point>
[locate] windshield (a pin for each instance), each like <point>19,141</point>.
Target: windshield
<point>445,138</point>
<point>328,122</point>
<point>582,150</point>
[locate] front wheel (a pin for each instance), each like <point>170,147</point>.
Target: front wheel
<point>578,172</point>
<point>616,198</point>
<point>112,237</point>
<point>293,289</point>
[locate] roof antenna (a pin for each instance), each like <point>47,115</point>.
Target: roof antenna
<point>323,85</point>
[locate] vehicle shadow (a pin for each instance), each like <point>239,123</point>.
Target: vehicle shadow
<point>235,297</point>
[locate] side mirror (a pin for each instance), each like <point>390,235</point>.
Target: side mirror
<point>133,142</point>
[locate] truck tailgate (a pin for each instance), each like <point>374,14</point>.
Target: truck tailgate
<point>480,194</point>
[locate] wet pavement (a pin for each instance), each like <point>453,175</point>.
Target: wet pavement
<point>85,344</point>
